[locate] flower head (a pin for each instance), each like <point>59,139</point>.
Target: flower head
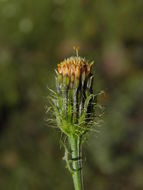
<point>74,102</point>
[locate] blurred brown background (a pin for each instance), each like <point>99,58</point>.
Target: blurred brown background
<point>34,36</point>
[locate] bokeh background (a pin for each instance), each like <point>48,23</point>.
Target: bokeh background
<point>34,36</point>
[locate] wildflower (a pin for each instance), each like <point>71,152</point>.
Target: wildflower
<point>74,106</point>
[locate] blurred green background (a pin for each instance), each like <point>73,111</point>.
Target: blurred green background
<point>34,36</point>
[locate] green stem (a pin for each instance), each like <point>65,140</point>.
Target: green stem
<point>75,143</point>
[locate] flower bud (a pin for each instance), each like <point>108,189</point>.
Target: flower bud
<point>74,85</point>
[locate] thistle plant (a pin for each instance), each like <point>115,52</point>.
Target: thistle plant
<point>74,107</point>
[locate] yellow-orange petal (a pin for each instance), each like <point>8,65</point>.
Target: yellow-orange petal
<point>78,71</point>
